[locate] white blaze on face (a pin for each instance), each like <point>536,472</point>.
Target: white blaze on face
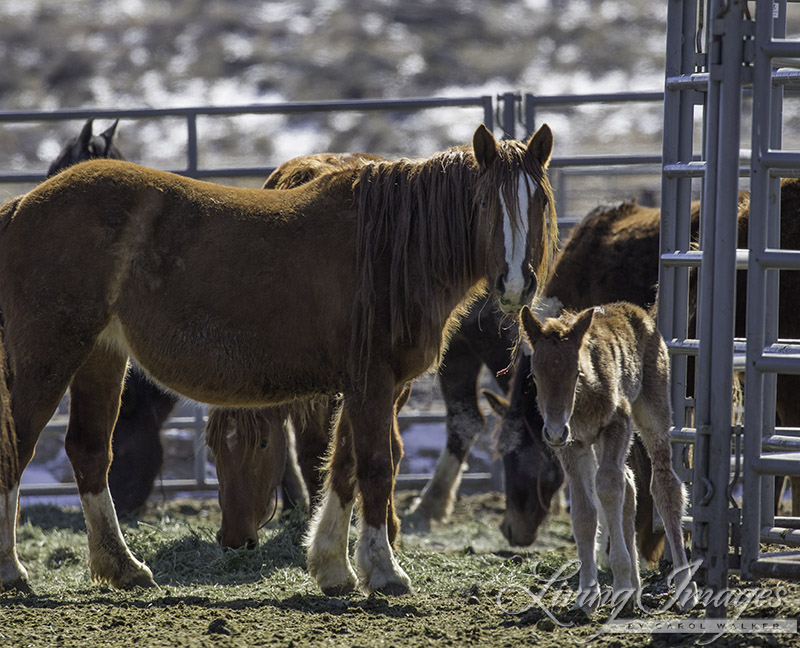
<point>516,246</point>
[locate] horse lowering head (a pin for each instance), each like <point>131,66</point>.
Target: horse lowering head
<point>555,368</point>
<point>87,147</point>
<point>533,476</point>
<point>514,184</point>
<point>250,448</point>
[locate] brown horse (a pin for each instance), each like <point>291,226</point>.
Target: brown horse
<point>248,298</point>
<point>597,373</point>
<point>483,337</point>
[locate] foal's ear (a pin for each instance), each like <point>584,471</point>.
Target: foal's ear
<point>582,325</point>
<point>531,326</point>
<point>484,146</point>
<point>540,146</point>
<point>498,404</point>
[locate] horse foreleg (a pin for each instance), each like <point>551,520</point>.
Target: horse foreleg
<point>611,484</point>
<point>457,377</point>
<point>372,417</point>
<point>94,402</point>
<point>580,467</point>
<point>327,552</point>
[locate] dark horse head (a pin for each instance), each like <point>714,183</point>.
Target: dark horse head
<point>532,473</point>
<point>87,147</point>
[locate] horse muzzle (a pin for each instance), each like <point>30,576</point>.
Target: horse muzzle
<point>556,437</point>
<point>514,293</point>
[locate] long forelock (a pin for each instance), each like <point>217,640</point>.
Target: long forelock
<point>506,173</point>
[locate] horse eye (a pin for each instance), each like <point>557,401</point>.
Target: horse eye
<point>263,444</point>
<point>483,203</point>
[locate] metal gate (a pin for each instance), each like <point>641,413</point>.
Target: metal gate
<point>718,53</point>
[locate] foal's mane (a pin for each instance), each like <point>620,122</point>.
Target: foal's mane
<point>412,211</point>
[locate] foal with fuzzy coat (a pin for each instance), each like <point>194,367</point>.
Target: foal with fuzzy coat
<point>598,373</point>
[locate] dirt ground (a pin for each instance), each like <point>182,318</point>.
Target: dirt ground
<point>471,589</point>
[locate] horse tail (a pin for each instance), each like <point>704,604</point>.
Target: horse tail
<point>9,460</point>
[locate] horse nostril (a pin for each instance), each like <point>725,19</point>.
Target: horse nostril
<point>250,544</point>
<point>500,285</point>
<point>530,285</point>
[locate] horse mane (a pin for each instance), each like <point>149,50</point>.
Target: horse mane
<point>412,211</point>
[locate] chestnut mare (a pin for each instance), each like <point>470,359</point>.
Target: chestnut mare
<point>597,373</point>
<point>483,337</point>
<point>352,279</point>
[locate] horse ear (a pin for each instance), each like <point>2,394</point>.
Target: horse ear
<point>582,325</point>
<point>540,146</point>
<point>531,326</point>
<point>108,136</point>
<point>498,404</point>
<point>81,145</point>
<point>484,146</point>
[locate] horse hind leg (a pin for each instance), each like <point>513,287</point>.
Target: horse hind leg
<point>94,403</point>
<point>669,494</point>
<point>327,539</point>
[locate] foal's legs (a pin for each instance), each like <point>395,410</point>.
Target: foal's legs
<point>326,542</point>
<point>612,448</point>
<point>94,402</point>
<point>668,492</point>
<point>580,466</point>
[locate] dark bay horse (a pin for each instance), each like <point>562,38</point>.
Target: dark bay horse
<point>248,298</point>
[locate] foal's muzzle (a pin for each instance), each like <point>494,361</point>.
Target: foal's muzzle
<point>556,438</point>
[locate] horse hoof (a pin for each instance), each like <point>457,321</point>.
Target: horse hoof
<point>689,597</point>
<point>395,589</point>
<point>20,586</point>
<point>338,590</point>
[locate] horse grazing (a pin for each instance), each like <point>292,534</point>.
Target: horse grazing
<point>251,450</point>
<point>248,298</point>
<point>600,373</point>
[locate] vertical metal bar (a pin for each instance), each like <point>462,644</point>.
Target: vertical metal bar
<point>762,288</point>
<point>508,109</point>
<point>529,108</point>
<point>191,145</point>
<point>716,304</point>
<point>488,112</point>
<point>675,228</point>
